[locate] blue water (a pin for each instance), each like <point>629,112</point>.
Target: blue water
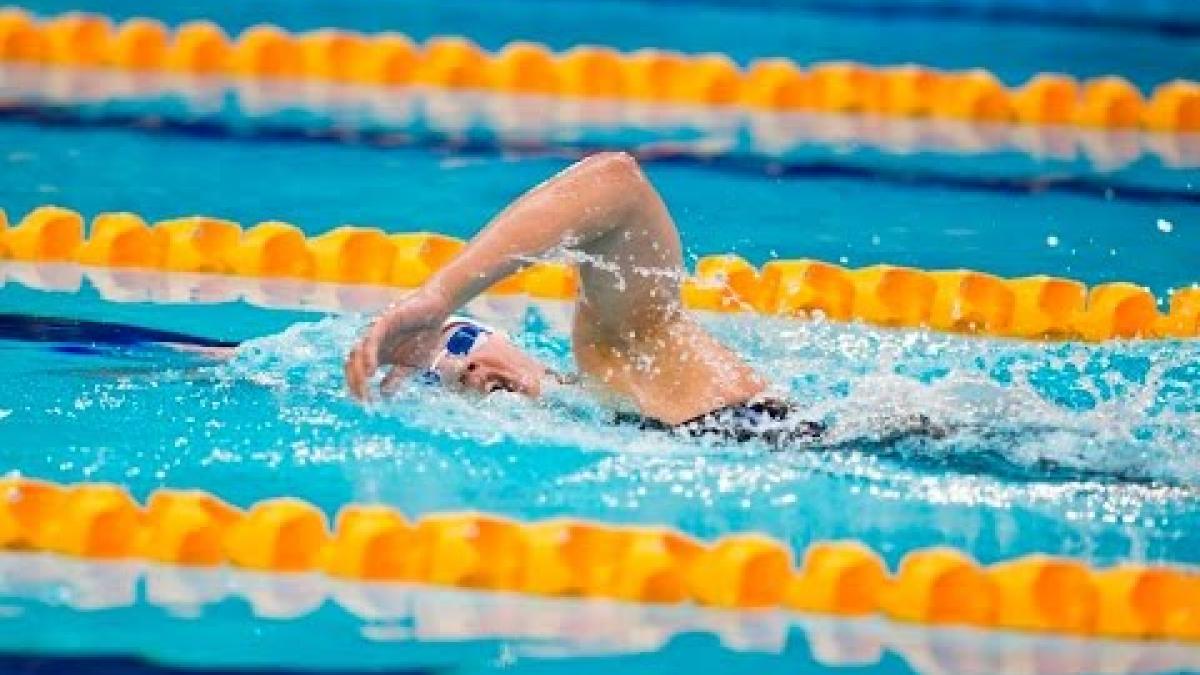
<point>1083,450</point>
<point>1077,450</point>
<point>1006,212</point>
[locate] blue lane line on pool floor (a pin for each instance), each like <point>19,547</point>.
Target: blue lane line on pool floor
<point>743,164</point>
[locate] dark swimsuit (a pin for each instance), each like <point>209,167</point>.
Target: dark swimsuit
<point>774,421</point>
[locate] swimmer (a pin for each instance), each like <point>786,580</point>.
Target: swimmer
<point>632,337</point>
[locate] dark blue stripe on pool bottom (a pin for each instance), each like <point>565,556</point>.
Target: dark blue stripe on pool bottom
<point>77,334</point>
<point>828,169</point>
<point>1167,22</point>
<point>20,664</point>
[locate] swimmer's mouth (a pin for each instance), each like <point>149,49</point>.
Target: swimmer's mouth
<point>503,385</point>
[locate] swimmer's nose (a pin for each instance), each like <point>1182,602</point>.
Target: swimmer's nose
<point>474,378</point>
<point>486,378</point>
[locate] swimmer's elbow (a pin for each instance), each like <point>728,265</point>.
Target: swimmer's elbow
<point>624,183</point>
<point>619,166</point>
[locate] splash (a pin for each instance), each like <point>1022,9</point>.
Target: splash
<point>1121,411</point>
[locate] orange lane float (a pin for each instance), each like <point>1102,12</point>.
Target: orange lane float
<point>524,68</point>
<point>418,255</point>
<point>199,48</point>
<point>1110,102</point>
<point>974,95</point>
<point>353,255</point>
<point>653,566</point>
<point>941,586</point>
<point>722,283</point>
<point>1136,601</point>
<point>841,577</point>
<point>842,86</point>
<point>266,51</point>
<point>1183,319</point>
<point>971,302</point>
<point>121,240</point>
<point>708,79</point>
<point>558,557</point>
<point>887,295</point>
<point>1119,310</point>
<point>592,72</point>
<point>77,39</point>
<point>960,301</point>
<point>371,543</point>
<point>452,63</point>
<point>597,72</point>
<point>279,535</point>
<point>97,520</point>
<point>908,91</point>
<point>1047,98</point>
<point>473,550</point>
<point>741,571</point>
<point>776,84</point>
<point>1174,107</point>
<point>273,249</point>
<point>139,44</point>
<point>1046,307</point>
<point>551,281</point>
<point>186,527</point>
<point>570,557</point>
<point>389,60</point>
<point>21,39</point>
<point>651,74</point>
<point>804,287</point>
<point>46,234</point>
<point>198,244</point>
<point>331,54</point>
<point>26,508</point>
<point>1040,593</point>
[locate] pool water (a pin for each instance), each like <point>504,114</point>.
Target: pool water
<point>1081,450</point>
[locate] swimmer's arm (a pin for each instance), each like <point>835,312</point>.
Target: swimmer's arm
<point>603,208</point>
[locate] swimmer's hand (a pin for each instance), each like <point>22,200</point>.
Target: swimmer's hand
<point>404,337</point>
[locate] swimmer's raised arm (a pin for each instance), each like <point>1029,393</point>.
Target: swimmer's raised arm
<point>602,207</point>
<point>631,332</point>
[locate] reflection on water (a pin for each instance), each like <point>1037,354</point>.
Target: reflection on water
<point>391,116</point>
<point>93,604</point>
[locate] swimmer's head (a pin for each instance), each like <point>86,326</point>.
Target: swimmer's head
<point>478,358</point>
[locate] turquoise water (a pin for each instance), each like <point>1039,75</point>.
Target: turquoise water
<point>1084,450</point>
<point>1100,207</point>
<point>1079,450</point>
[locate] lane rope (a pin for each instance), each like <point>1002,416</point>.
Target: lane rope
<point>959,301</point>
<point>570,557</point>
<point>595,72</point>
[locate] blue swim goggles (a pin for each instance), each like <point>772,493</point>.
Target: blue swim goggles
<point>466,335</point>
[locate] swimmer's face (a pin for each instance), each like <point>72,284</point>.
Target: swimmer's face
<point>493,364</point>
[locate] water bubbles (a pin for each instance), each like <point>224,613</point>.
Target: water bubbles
<point>1052,241</point>
<point>1165,226</point>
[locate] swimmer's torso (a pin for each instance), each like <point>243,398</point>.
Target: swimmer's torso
<point>677,374</point>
